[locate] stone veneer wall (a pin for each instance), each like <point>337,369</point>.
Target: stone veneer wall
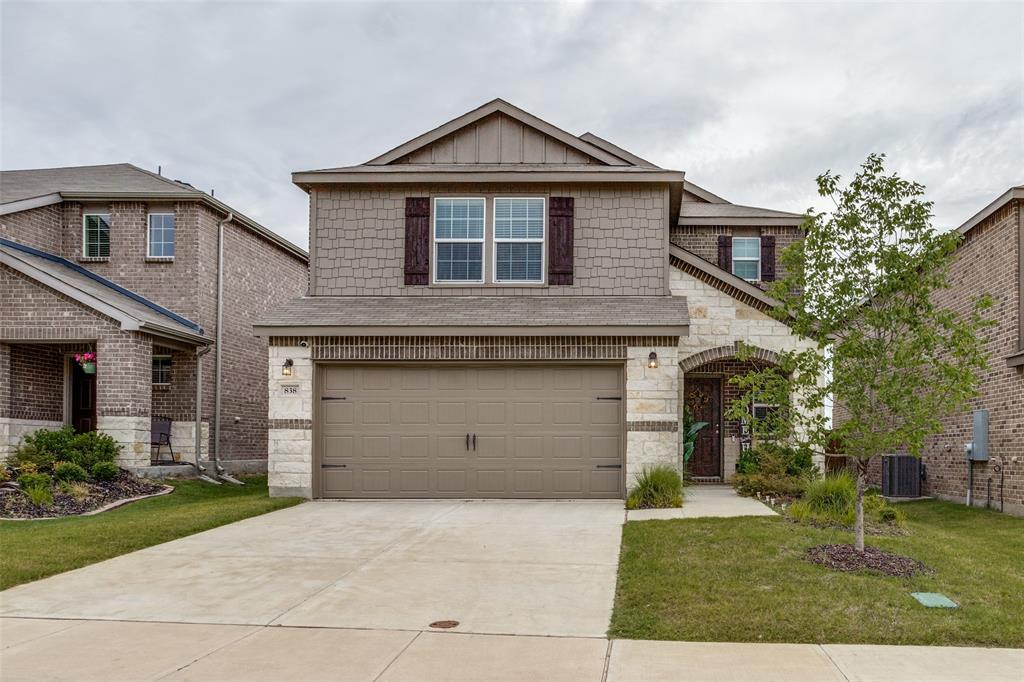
<point>652,395</point>
<point>718,321</point>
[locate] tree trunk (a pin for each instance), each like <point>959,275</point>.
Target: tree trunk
<point>858,526</point>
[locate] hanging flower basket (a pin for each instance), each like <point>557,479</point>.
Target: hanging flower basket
<point>87,361</point>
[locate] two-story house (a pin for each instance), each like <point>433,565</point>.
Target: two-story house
<point>499,308</point>
<point>162,282</point>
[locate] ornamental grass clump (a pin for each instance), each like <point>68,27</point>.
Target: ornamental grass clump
<point>658,487</point>
<point>832,501</point>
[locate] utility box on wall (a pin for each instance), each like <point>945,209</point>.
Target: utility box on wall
<point>977,449</point>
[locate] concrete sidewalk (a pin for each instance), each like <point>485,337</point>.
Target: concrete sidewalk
<point>40,649</point>
<point>705,501</point>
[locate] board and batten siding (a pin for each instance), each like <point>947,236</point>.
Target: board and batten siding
<point>620,240</point>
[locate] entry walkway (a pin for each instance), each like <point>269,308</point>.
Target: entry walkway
<point>703,501</point>
<point>35,649</point>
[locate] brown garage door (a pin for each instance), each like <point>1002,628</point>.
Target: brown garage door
<point>470,431</point>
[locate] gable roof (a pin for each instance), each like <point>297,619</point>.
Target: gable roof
<point>21,190</point>
<point>1000,201</point>
<point>133,311</point>
<point>591,160</point>
<point>497,105</point>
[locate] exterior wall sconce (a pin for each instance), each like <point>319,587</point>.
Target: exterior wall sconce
<point>286,369</point>
<point>652,360</point>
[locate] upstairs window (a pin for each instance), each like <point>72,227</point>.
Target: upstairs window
<point>161,235</point>
<point>96,235</point>
<point>519,240</point>
<point>459,240</point>
<point>161,370</point>
<point>746,258</point>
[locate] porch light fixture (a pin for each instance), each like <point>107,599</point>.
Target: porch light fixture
<point>652,360</point>
<point>286,369</point>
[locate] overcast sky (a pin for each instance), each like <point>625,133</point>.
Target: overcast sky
<point>752,100</point>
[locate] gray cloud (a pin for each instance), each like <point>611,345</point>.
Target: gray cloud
<point>753,101</point>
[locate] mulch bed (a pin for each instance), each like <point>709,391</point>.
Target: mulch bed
<point>847,558</point>
<point>15,505</point>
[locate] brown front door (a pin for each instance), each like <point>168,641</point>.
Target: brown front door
<point>83,399</point>
<point>704,399</point>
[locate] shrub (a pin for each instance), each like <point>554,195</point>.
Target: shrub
<point>30,480</point>
<point>43,449</point>
<point>69,471</point>
<point>775,460</point>
<point>5,473</point>
<point>39,495</point>
<point>768,485</point>
<point>832,495</point>
<point>656,488</point>
<point>89,448</point>
<point>105,471</point>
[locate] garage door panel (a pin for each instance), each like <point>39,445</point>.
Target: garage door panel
<point>451,413</point>
<point>540,431</point>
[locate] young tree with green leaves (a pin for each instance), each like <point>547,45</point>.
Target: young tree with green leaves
<point>860,287</point>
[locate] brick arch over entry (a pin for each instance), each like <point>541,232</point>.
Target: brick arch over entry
<point>691,362</point>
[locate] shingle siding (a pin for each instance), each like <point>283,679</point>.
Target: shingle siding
<point>620,247</point>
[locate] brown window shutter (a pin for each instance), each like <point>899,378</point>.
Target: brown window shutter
<point>768,259</point>
<point>417,240</point>
<point>725,252</point>
<point>560,239</point>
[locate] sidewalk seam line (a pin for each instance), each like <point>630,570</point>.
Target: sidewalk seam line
<point>607,661</point>
<point>256,628</point>
<point>835,664</point>
<point>398,655</point>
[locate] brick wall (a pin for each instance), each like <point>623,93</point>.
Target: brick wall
<point>703,240</point>
<point>39,228</point>
<point>258,277</point>
<point>987,262</point>
<point>37,375</point>
<point>358,240</point>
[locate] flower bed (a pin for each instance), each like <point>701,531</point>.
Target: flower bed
<point>75,499</point>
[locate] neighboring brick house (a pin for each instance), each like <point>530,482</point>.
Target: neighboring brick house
<point>123,262</point>
<point>989,260</point>
<point>499,308</point>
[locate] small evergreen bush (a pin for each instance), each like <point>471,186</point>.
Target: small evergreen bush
<point>69,471</point>
<point>91,447</point>
<point>656,487</point>
<point>104,471</point>
<point>31,480</point>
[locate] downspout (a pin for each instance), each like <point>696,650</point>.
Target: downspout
<point>218,470</point>
<point>200,352</point>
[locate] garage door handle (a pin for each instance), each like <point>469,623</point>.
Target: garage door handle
<point>467,442</point>
<point>609,397</point>
<point>330,397</point>
<point>609,466</point>
<point>333,466</point>
<point>474,442</point>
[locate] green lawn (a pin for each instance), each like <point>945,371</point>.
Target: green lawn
<point>30,550</point>
<point>743,580</point>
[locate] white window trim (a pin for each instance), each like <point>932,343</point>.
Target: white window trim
<point>162,357</point>
<point>747,259</point>
<point>149,228</point>
<point>542,241</point>
<point>85,219</point>
<point>434,241</point>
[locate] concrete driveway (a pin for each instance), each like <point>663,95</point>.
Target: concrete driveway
<point>497,567</point>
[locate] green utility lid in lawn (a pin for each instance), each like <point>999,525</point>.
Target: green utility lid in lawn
<point>934,600</point>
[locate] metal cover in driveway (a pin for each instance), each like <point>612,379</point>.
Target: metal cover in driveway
<point>934,600</point>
